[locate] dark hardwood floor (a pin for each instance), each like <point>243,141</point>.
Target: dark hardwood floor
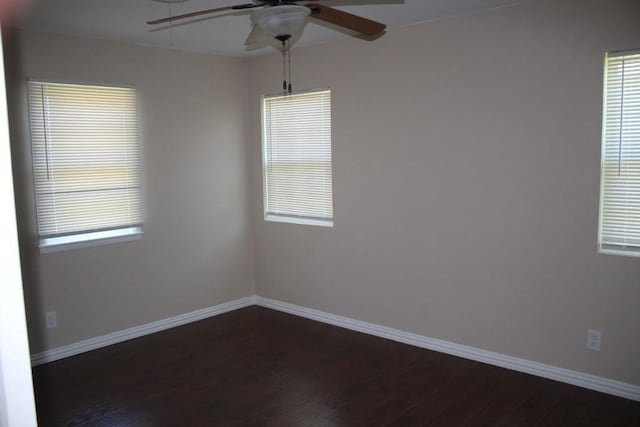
<point>258,367</point>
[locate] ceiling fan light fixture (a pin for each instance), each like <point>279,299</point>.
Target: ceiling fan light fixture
<point>278,21</point>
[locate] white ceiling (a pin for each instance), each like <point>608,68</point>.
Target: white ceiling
<point>125,20</point>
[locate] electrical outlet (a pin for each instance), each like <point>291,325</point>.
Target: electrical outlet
<point>51,320</point>
<point>594,339</point>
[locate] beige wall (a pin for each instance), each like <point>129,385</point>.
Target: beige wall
<point>466,171</point>
<point>196,250</point>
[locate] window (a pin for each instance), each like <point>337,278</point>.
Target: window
<point>86,162</point>
<point>619,230</point>
<point>297,158</point>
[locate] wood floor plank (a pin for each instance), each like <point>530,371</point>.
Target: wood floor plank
<point>258,367</point>
<point>502,410</point>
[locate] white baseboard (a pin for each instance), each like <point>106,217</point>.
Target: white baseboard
<point>605,385</point>
<point>138,331</point>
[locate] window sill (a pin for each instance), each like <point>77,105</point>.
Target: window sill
<point>620,251</point>
<point>299,220</point>
<point>87,240</point>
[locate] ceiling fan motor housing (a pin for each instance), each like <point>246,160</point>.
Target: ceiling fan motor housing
<point>282,21</point>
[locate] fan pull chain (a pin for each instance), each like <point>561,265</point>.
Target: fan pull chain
<point>284,67</point>
<point>286,59</point>
<point>290,89</point>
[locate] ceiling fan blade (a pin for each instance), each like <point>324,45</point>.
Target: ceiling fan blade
<point>346,20</point>
<point>205,12</point>
<point>256,37</point>
<point>334,3</point>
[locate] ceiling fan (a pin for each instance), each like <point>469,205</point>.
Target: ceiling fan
<point>284,20</point>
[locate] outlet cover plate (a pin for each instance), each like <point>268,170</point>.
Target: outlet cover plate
<point>594,339</point>
<point>51,319</point>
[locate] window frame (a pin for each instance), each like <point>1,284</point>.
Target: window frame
<point>607,247</point>
<point>290,218</point>
<point>89,237</point>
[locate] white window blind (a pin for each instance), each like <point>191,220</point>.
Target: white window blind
<point>297,158</point>
<point>86,161</point>
<point>620,186</point>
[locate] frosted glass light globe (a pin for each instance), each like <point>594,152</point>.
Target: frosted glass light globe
<point>286,20</point>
